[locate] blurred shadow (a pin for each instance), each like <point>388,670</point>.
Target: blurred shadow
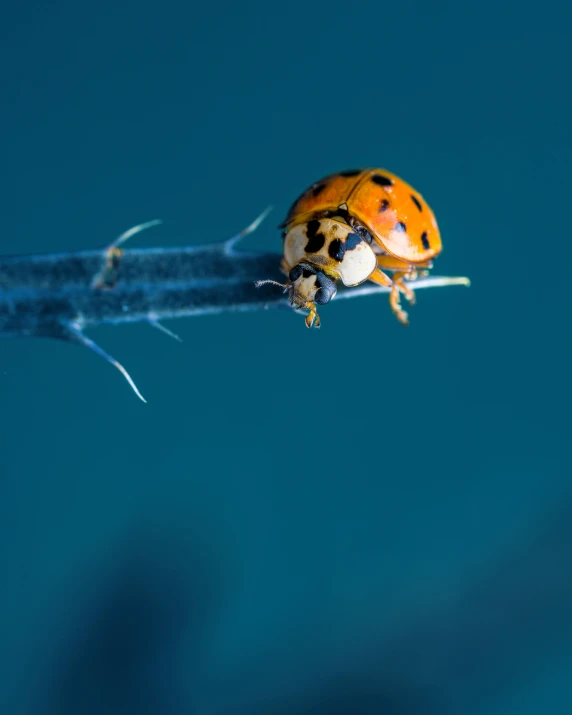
<point>355,695</point>
<point>123,652</point>
<point>492,635</point>
<point>502,627</point>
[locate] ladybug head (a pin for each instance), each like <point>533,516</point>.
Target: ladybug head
<point>309,284</point>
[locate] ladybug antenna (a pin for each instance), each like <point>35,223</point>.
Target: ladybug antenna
<point>286,286</point>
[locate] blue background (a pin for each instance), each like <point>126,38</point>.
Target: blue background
<point>362,519</point>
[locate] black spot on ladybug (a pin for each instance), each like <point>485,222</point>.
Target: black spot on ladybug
<point>316,243</point>
<point>425,241</point>
<point>316,240</point>
<point>312,228</point>
<point>353,240</point>
<point>417,202</point>
<point>306,272</point>
<point>350,172</point>
<point>401,227</point>
<point>384,205</point>
<point>382,180</point>
<point>317,190</point>
<point>336,249</point>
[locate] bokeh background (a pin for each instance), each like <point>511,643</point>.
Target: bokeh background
<point>361,520</point>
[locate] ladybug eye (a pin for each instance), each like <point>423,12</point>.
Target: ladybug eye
<point>361,231</point>
<point>295,273</point>
<point>322,297</point>
<point>365,234</point>
<point>326,291</point>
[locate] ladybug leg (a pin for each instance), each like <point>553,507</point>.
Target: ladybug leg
<point>396,306</point>
<point>403,271</point>
<point>390,263</point>
<point>312,319</point>
<point>403,287</point>
<point>383,279</point>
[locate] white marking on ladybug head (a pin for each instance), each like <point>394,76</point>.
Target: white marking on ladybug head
<point>295,243</point>
<point>358,263</point>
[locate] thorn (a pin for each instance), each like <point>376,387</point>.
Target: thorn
<point>443,281</point>
<point>156,324</point>
<point>230,242</point>
<point>132,231</point>
<point>84,340</point>
<point>107,277</point>
<point>256,223</point>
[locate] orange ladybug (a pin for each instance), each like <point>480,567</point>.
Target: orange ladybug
<point>353,226</point>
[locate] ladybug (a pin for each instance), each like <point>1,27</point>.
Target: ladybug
<point>353,226</point>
